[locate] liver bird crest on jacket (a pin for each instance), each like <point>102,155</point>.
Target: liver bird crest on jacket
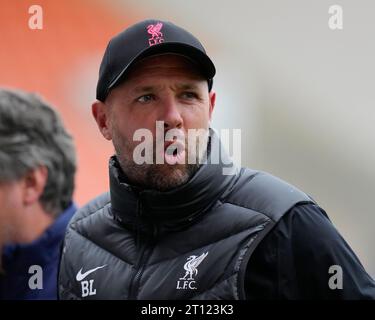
<point>191,266</point>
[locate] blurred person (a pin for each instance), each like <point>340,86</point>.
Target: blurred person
<point>37,168</point>
<point>185,230</point>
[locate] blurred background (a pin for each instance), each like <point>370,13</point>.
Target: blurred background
<point>302,94</point>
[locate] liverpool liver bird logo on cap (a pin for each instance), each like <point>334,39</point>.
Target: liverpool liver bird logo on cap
<point>156,35</point>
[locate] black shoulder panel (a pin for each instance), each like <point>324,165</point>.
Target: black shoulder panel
<point>91,207</point>
<point>265,193</point>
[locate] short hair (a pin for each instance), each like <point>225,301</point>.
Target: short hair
<point>32,134</point>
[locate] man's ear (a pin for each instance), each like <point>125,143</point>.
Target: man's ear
<point>212,98</point>
<point>100,112</point>
<point>33,184</point>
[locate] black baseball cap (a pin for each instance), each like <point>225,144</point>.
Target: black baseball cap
<point>144,39</point>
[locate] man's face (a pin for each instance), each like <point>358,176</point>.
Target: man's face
<point>165,88</point>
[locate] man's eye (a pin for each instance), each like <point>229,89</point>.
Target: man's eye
<point>145,98</point>
<point>189,95</point>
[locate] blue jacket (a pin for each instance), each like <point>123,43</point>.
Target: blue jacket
<point>44,252</point>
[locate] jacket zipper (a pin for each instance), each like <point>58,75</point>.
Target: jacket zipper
<point>143,257</point>
<point>138,273</point>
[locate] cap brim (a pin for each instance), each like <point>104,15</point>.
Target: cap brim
<point>200,58</point>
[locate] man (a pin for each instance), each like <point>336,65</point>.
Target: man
<point>37,167</point>
<point>176,229</point>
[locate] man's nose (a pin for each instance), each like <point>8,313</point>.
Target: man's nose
<point>171,114</point>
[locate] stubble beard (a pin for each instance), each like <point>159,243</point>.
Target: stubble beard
<point>160,177</point>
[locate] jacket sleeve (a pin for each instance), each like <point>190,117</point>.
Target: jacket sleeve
<point>305,257</point>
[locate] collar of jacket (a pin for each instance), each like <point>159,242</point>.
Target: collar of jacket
<point>175,208</point>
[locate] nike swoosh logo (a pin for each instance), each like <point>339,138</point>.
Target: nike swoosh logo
<point>80,276</point>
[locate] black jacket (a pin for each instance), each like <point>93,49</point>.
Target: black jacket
<point>195,241</point>
<point>293,261</point>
